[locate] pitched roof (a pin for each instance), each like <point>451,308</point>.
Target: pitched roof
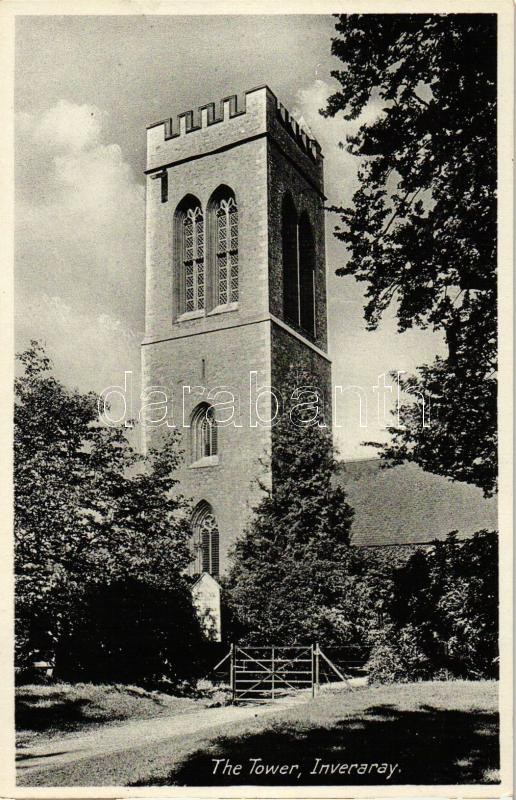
<point>406,505</point>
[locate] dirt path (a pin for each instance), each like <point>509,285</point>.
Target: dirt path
<point>56,754</point>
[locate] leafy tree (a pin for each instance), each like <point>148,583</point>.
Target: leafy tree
<point>287,577</point>
<point>444,608</point>
<point>421,230</point>
<point>89,511</point>
<point>134,631</point>
<point>467,602</point>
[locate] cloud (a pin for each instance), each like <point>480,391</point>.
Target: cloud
<point>68,127</point>
<point>80,259</point>
<point>340,167</point>
<point>80,238</point>
<point>90,350</point>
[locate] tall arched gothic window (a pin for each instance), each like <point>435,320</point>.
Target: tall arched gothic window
<point>205,539</point>
<point>290,261</point>
<point>223,243</point>
<point>298,247</point>
<point>205,280</point>
<point>227,252</point>
<point>203,430</point>
<point>193,259</point>
<point>306,275</point>
<point>189,247</point>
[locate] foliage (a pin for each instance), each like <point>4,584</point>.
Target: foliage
<point>443,613</point>
<point>385,664</point>
<point>132,630</point>
<point>90,513</point>
<point>289,568</point>
<point>421,230</point>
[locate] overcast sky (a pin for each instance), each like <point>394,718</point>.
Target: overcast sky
<point>86,87</point>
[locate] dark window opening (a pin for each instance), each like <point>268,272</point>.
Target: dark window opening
<point>298,247</point>
<point>306,276</point>
<point>290,270</point>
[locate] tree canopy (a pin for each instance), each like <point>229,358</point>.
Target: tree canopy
<point>288,569</point>
<point>442,612</point>
<point>421,231</point>
<point>90,512</point>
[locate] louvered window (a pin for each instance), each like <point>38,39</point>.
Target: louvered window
<point>206,539</point>
<point>208,434</point>
<point>210,545</point>
<point>299,276</point>
<point>203,432</point>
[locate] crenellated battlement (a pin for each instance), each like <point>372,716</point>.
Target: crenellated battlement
<point>307,143</point>
<point>196,119</point>
<point>233,107</point>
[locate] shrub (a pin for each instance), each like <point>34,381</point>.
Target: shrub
<point>443,612</point>
<point>397,656</point>
<point>133,632</point>
<point>216,694</point>
<point>385,664</point>
<point>416,663</point>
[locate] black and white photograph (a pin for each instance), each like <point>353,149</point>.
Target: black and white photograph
<point>257,440</point>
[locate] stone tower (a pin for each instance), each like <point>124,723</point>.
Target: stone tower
<point>235,294</point>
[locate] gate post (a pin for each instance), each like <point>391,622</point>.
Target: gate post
<point>312,668</point>
<point>272,667</point>
<point>232,670</point>
<point>317,665</point>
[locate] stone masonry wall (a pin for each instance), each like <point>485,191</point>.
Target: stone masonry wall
<point>244,171</point>
<point>284,176</point>
<point>254,147</point>
<point>229,485</point>
<point>288,353</point>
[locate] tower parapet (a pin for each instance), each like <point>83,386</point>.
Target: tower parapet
<point>218,126</point>
<point>202,117</point>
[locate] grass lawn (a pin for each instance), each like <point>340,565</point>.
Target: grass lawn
<point>428,733</point>
<point>434,733</point>
<point>46,711</point>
